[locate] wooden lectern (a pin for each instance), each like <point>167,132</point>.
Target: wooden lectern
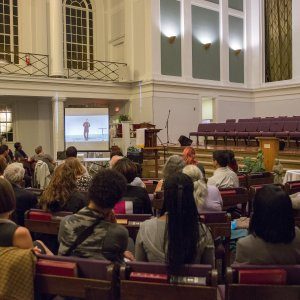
<point>270,149</point>
<point>151,147</point>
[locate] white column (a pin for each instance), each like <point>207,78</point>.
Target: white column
<point>125,136</point>
<point>186,39</point>
<point>254,43</point>
<point>224,44</point>
<point>58,124</point>
<point>44,125</point>
<point>129,38</point>
<point>56,38</point>
<point>155,36</point>
<point>296,39</point>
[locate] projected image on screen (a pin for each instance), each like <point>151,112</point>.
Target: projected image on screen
<point>87,128</point>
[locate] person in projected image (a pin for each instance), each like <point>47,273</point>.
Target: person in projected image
<point>86,128</point>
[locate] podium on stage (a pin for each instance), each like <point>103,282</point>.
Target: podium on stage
<point>270,149</point>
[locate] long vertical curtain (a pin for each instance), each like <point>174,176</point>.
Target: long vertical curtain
<point>278,40</point>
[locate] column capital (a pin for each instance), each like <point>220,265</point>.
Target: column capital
<point>59,99</point>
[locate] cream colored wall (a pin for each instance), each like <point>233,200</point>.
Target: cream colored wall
<point>32,120</point>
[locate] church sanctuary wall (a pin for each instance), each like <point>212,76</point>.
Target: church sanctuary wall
<point>185,103</point>
<point>32,122</point>
<point>278,100</point>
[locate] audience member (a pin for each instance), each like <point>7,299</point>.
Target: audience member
<point>207,197</point>
<point>40,155</point>
<point>232,163</point>
<point>273,238</point>
<point>25,200</point>
<point>20,155</point>
<point>10,157</point>
<point>138,195</point>
<point>71,152</point>
<point>114,159</point>
<point>4,153</point>
<point>174,164</point>
<point>189,157</point>
<point>223,176</point>
<point>64,191</point>
<point>177,237</point>
<point>95,224</point>
<point>12,235</point>
<point>137,181</point>
<point>3,165</point>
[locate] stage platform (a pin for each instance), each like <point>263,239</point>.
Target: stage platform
<point>289,158</point>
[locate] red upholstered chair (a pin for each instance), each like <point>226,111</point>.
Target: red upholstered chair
<point>147,281</point>
<point>275,126</point>
<point>242,132</point>
<point>261,282</point>
<point>230,121</point>
<point>296,134</point>
<point>262,126</point>
<point>76,277</point>
<point>219,132</point>
<point>201,131</point>
<point>289,127</point>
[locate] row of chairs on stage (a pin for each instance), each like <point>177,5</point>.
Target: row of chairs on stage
<point>248,129</point>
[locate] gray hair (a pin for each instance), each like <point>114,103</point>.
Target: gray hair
<point>174,164</point>
<point>200,187</point>
<point>14,172</point>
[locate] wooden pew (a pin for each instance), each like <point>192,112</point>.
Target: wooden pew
<point>96,279</point>
<point>260,287</point>
<point>169,288</point>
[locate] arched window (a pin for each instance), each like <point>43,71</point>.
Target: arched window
<point>9,42</point>
<point>78,34</point>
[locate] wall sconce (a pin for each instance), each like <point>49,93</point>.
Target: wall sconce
<point>237,51</point>
<point>206,46</point>
<point>172,39</point>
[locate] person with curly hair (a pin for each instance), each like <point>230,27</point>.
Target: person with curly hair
<point>65,191</point>
<point>189,157</point>
<point>101,237</point>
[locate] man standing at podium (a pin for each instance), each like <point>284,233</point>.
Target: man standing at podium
<point>86,128</point>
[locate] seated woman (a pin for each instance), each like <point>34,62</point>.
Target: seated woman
<point>94,225</point>
<point>25,200</point>
<point>177,237</point>
<point>207,197</point>
<point>139,197</point>
<point>189,157</point>
<point>12,235</point>
<point>174,164</point>
<point>273,237</point>
<point>63,192</point>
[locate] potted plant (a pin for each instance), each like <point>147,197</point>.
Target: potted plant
<point>135,154</point>
<point>123,118</point>
<point>254,165</point>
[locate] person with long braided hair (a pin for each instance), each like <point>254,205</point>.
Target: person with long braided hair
<point>177,237</point>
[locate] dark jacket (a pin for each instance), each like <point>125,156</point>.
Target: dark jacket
<point>140,199</point>
<point>25,200</point>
